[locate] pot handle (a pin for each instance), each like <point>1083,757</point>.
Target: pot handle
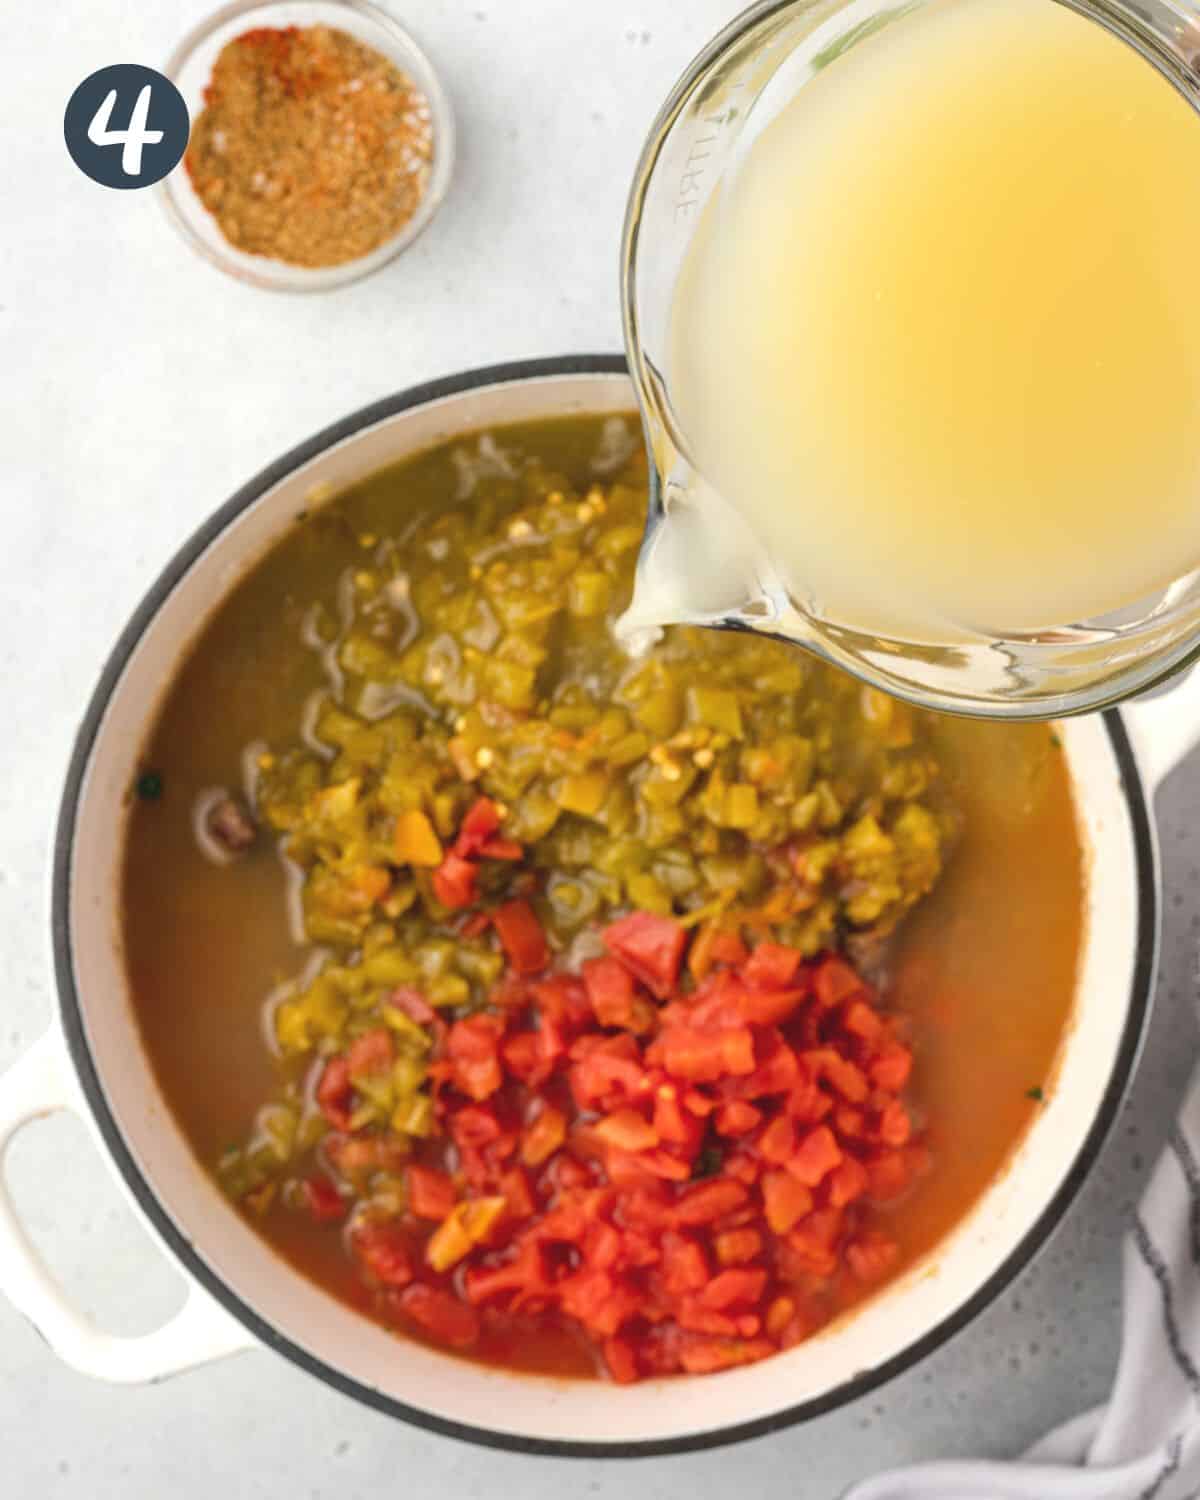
<point>1165,726</point>
<point>42,1083</point>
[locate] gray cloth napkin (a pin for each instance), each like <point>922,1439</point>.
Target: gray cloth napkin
<point>1144,1443</point>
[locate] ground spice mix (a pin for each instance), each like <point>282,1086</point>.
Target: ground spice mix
<point>312,148</point>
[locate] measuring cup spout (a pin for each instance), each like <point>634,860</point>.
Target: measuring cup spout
<point>696,565</point>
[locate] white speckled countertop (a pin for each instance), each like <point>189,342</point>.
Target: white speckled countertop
<point>138,388</point>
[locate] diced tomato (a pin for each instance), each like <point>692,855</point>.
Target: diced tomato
<point>599,1300</point>
<point>887,1175</point>
<point>772,966</point>
<point>475,1126</point>
<point>778,1070</point>
<point>628,1131</point>
<point>505,1147</point>
<point>413,1004</point>
<point>716,1003</point>
<point>507,849</point>
<point>738,1287</point>
<point>523,1057</point>
<point>350,1155</point>
<point>335,1093</point>
<point>605,1075</point>
<point>674,1124</point>
<point>353,1155</point>
<point>811,1246</point>
<point>544,1134</point>
<point>850,1122</point>
<point>373,1052</point>
<point>847,1182</point>
<point>703,1356</point>
<point>777,1143</point>
<point>524,1274</point>
<point>473,1047</point>
<point>779,1315</point>
<point>627,1170</point>
<point>835,981</point>
<point>518,1195</point>
<point>510,993</point>
<point>736,1246</point>
<point>614,998</point>
<point>569,1173</point>
<point>475,1037</point>
<point>804,1322</point>
<point>322,1199</point>
<point>728,947</point>
<point>824,1226</point>
<point>454,882</point>
<point>620,1360</point>
<point>647,1208</point>
<point>475,1167</point>
<point>737,1118</point>
<point>808,1102</point>
<point>610,988</point>
<point>662,1164</point>
<point>846,1078</point>
<point>552,1044</point>
<point>651,947</point>
<point>862,1020</point>
<point>441,1315</point>
<point>639,1249</point>
<point>565,1224</point>
<point>565,999</point>
<point>521,936</point>
<point>892,1068</point>
<point>816,1155</point>
<point>382,1250</point>
<point>785,1201</point>
<point>703,1057</point>
<point>709,1201</point>
<point>895,1127</point>
<point>685,1267</point>
<point>431,1193</point>
<point>482,820</point>
<point>602,1246</point>
<point>871,1256</point>
<point>768,1007</point>
<point>795,1068</point>
<point>696,1318</point>
<point>744,1167</point>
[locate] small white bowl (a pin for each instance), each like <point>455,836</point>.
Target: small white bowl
<point>190,68</point>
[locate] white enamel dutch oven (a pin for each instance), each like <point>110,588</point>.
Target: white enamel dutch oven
<point>241,1295</point>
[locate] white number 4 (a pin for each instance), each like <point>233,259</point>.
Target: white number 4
<point>132,138</point>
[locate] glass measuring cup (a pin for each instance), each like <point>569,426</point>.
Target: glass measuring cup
<point>699,562</point>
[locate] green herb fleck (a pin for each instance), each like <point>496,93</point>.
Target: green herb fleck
<point>150,786</point>
<point>708,1163</point>
<point>1055,740</point>
<point>1036,1094</point>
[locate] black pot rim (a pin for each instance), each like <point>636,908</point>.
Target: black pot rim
<point>71,1012</point>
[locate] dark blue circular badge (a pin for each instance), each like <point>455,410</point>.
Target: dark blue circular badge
<point>126,126</point>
